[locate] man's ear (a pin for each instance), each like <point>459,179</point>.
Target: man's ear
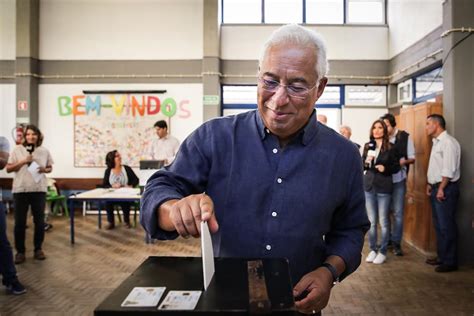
<point>322,84</point>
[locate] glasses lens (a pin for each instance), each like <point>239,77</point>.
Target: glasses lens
<point>292,90</point>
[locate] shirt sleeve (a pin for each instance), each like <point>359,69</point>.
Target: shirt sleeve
<point>14,156</point>
<point>410,148</point>
<point>449,160</point>
<point>349,223</point>
<point>4,145</point>
<point>187,175</point>
<point>175,148</point>
<point>50,160</point>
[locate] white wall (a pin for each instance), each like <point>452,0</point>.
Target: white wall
<point>58,130</point>
<point>121,29</point>
<point>411,20</point>
<point>7,29</point>
<point>343,42</point>
<point>360,120</point>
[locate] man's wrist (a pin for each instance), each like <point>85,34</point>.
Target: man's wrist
<point>333,271</point>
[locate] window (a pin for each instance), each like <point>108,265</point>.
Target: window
<point>304,11</point>
<point>365,11</point>
<point>366,95</point>
<point>283,11</point>
<point>238,99</point>
<point>242,11</point>
<point>428,84</point>
<point>404,91</point>
<point>325,11</point>
<point>331,97</point>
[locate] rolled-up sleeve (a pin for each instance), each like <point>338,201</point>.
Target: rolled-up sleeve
<point>349,223</point>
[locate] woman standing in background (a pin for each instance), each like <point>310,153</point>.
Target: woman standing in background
<point>30,161</point>
<point>380,161</point>
<point>117,176</point>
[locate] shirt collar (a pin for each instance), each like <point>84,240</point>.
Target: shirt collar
<point>440,136</point>
<point>305,135</point>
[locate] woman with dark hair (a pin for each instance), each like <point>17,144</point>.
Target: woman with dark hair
<point>380,162</point>
<point>30,161</point>
<point>116,176</point>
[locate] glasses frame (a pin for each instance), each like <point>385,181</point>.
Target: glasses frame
<point>290,93</point>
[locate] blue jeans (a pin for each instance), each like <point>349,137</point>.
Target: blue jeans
<point>377,205</point>
<point>7,266</point>
<point>398,206</point>
<point>444,220</point>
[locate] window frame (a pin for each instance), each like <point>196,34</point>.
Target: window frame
<point>345,9</point>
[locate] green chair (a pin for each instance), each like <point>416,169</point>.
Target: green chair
<point>59,201</point>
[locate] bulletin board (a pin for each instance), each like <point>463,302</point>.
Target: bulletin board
<point>96,135</point>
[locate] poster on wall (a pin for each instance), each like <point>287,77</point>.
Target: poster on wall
<point>81,125</point>
<point>117,122</point>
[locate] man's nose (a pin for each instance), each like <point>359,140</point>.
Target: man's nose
<point>280,97</point>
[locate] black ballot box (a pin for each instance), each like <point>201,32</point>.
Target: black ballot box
<point>228,292</point>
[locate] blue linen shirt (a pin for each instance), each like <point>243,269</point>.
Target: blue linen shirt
<point>303,202</point>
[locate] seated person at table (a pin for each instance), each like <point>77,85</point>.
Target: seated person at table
<point>117,176</point>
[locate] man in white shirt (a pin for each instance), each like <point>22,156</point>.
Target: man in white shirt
<point>165,146</point>
<point>443,189</point>
<point>406,157</point>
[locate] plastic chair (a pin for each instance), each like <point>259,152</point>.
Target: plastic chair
<point>53,196</point>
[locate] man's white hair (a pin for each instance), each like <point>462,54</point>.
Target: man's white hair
<point>298,35</point>
<point>347,128</point>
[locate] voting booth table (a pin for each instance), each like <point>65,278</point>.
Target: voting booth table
<point>239,286</point>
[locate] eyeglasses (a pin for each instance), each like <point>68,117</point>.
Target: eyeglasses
<point>294,90</point>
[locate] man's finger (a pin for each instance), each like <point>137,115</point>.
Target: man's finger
<point>310,302</point>
<point>207,212</point>
<point>207,207</point>
<point>188,220</point>
<point>175,217</point>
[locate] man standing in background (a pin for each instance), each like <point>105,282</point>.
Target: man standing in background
<point>406,150</point>
<point>165,146</point>
<point>443,189</point>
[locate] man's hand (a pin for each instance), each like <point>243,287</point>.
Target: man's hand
<point>380,168</point>
<point>440,195</point>
<point>428,189</point>
<point>116,185</point>
<point>185,215</point>
<point>402,161</point>
<point>318,284</point>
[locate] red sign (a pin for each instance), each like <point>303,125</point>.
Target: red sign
<point>22,105</point>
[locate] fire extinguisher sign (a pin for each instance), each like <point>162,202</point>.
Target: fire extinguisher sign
<point>22,105</point>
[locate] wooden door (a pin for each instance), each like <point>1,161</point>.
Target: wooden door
<point>418,225</point>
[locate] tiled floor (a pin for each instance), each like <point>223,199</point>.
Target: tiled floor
<point>73,280</point>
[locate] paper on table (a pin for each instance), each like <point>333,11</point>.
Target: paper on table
<point>143,297</point>
<point>180,300</point>
<point>207,254</point>
<point>33,169</point>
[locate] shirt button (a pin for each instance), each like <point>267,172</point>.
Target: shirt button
<point>279,180</point>
<point>267,130</point>
<point>275,150</point>
<point>274,214</point>
<point>268,247</point>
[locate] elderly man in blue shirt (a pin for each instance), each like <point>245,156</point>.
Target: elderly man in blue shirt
<point>277,183</point>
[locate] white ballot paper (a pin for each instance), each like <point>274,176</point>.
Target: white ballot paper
<point>144,297</point>
<point>180,300</point>
<point>207,254</point>
<point>33,169</point>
